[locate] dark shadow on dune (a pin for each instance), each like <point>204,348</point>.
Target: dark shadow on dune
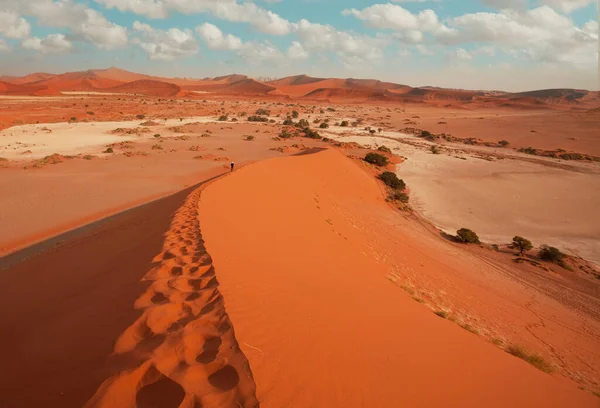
<point>62,239</point>
<point>64,301</point>
<point>448,237</point>
<point>310,151</point>
<point>165,393</point>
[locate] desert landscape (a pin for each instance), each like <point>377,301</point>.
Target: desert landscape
<point>326,269</point>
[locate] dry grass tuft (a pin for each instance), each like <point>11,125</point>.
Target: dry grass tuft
<point>534,359</point>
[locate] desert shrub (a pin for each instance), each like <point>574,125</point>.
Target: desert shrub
<point>243,114</point>
<point>263,112</point>
<point>391,179</point>
<point>344,123</point>
<point>73,119</point>
<point>234,119</point>
<point>376,158</point>
<point>521,244</point>
<point>528,150</point>
<point>285,134</point>
<point>428,135</point>
<point>372,131</point>
<point>316,121</point>
<point>331,109</point>
<point>223,118</point>
<point>535,360</point>
<point>87,157</point>
<point>288,122</point>
<point>324,125</point>
<point>249,138</point>
<point>302,123</point>
<point>90,113</point>
<point>435,149</point>
<point>554,255</point>
<point>140,116</point>
<point>503,143</point>
<point>467,236</point>
<point>157,147</point>
<point>441,313</point>
<point>312,134</point>
<point>384,149</point>
<point>397,195</point>
<point>256,118</point>
<point>108,150</point>
<point>295,114</point>
<point>157,135</point>
<point>571,156</point>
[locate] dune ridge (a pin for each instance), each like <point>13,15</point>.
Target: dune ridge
<point>184,340</point>
<point>297,254</point>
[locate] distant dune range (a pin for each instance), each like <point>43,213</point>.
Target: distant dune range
<point>301,87</point>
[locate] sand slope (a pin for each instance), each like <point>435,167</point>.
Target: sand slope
<point>318,321</point>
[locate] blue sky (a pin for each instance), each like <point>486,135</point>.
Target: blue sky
<point>476,44</point>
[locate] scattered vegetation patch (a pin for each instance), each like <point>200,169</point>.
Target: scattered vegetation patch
<point>376,159</point>
<point>311,134</point>
<point>521,244</point>
<point>554,255</point>
<point>503,143</point>
<point>399,196</point>
<point>157,147</point>
<point>534,359</point>
<point>263,112</point>
<point>435,149</point>
<point>384,149</point>
<point>140,116</point>
<point>391,180</point>
<point>344,123</point>
<point>467,236</point>
<point>469,328</point>
<point>223,118</point>
<point>324,125</point>
<point>249,138</point>
<point>256,118</point>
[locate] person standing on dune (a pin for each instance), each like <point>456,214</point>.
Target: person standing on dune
<point>232,165</point>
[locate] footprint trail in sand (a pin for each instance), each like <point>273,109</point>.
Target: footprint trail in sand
<point>184,341</point>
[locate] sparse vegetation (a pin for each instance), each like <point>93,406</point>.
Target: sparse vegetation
<point>311,134</point>
<point>295,114</point>
<point>263,112</point>
<point>288,122</point>
<point>376,159</point>
<point>285,134</point>
<point>223,118</point>
<point>140,116</point>
<point>435,149</point>
<point>399,196</point>
<point>521,244</point>
<point>503,143</point>
<point>157,147</point>
<point>109,150</point>
<point>467,236</point>
<point>302,123</point>
<point>256,118</point>
<point>391,180</point>
<point>324,125</point>
<point>384,149</point>
<point>534,359</point>
<point>552,254</point>
<point>344,123</point>
<point>441,313</point>
<point>249,138</point>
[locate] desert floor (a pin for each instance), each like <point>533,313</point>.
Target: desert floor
<point>291,281</point>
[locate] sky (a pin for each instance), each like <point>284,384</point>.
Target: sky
<point>512,45</point>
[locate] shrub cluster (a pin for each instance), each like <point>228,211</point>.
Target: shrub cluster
<point>376,159</point>
<point>263,112</point>
<point>467,236</point>
<point>391,179</point>
<point>256,118</point>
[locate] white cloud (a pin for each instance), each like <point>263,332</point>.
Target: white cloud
<point>13,26</point>
<point>215,39</point>
<point>165,45</point>
<point>424,50</point>
<point>260,53</point>
<point>259,18</point>
<point>297,52</point>
<point>53,43</point>
<point>4,46</point>
<point>568,6</point>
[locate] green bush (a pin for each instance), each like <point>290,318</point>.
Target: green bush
<point>263,112</point>
<point>223,118</point>
<point>467,236</point>
<point>521,244</point>
<point>256,118</point>
<point>312,134</point>
<point>377,159</point>
<point>302,123</point>
<point>391,179</point>
<point>384,149</point>
<point>285,134</point>
<point>399,196</point>
<point>295,114</point>
<point>503,143</point>
<point>551,254</point>
<point>344,123</point>
<point>324,125</point>
<point>288,122</point>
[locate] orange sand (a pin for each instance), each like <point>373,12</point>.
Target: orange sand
<point>318,321</point>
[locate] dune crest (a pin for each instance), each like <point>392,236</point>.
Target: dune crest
<point>297,241</point>
<point>183,342</point>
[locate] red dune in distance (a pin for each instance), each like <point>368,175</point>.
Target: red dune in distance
<point>336,90</point>
<point>316,317</point>
<point>150,88</point>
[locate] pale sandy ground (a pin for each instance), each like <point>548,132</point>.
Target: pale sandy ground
<point>501,198</point>
<point>73,138</point>
<point>38,203</point>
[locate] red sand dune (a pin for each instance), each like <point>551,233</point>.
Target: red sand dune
<point>248,86</point>
<point>32,89</point>
<point>38,76</point>
<point>355,95</point>
<point>150,88</point>
<point>320,324</point>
